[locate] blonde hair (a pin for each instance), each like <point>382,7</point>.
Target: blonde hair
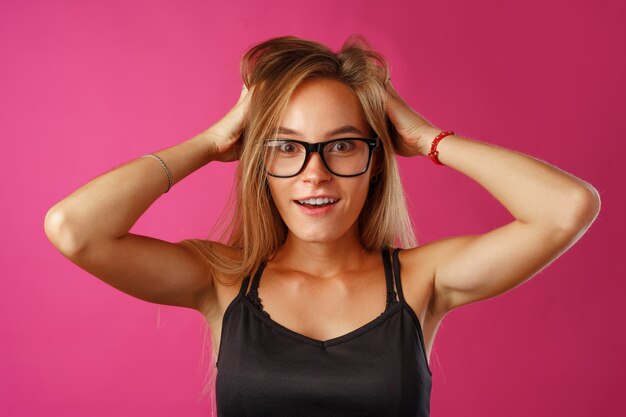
<point>276,67</point>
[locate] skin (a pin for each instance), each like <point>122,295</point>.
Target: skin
<point>322,260</point>
<point>321,246</point>
<point>322,284</point>
<point>342,286</point>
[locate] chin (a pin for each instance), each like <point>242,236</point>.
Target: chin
<point>316,236</point>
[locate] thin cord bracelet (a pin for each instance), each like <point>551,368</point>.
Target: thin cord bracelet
<point>434,153</point>
<point>167,171</point>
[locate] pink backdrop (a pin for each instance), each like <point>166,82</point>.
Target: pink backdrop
<point>86,86</point>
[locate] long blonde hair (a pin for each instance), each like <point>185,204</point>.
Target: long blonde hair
<point>275,68</point>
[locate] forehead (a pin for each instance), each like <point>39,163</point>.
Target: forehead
<point>323,106</point>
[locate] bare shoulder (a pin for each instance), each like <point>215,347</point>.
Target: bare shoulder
<point>425,260</point>
<point>224,287</point>
<point>417,272</point>
<point>418,268</point>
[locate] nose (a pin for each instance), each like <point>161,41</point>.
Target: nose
<point>314,169</point>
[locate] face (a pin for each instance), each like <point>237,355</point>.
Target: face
<point>317,108</point>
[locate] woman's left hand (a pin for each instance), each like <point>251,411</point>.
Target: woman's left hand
<point>413,132</point>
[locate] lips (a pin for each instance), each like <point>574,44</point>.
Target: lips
<point>316,210</point>
<point>318,198</point>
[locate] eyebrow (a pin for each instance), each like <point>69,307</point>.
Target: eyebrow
<point>341,130</point>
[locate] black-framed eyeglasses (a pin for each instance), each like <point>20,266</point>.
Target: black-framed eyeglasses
<point>345,157</point>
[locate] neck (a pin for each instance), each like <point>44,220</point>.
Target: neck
<point>322,259</point>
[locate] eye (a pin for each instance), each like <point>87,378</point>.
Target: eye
<point>288,147</point>
<point>342,146</point>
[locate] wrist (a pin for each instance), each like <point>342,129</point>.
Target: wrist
<point>207,140</point>
<point>426,137</point>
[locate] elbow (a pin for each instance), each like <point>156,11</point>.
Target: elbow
<point>586,206</point>
<point>59,232</point>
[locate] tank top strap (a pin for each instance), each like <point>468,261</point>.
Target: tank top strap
<point>244,285</point>
<point>253,294</point>
<point>391,293</point>
<point>246,281</point>
<point>396,273</point>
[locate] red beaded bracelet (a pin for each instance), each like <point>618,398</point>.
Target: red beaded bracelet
<point>433,147</point>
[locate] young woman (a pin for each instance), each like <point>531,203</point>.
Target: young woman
<point>313,307</point>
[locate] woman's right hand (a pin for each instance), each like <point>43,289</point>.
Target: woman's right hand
<point>224,137</point>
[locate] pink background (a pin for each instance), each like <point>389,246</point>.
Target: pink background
<point>87,86</point>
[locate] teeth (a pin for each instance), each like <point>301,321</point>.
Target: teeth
<point>317,201</point>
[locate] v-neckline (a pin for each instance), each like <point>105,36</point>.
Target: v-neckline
<point>394,305</point>
<point>393,308</point>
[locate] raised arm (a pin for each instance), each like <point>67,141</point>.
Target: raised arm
<point>91,226</point>
<point>552,210</point>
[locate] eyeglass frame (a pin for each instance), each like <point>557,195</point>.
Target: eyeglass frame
<point>309,148</point>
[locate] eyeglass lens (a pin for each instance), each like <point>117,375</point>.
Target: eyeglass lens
<point>342,157</point>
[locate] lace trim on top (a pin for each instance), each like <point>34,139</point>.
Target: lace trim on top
<point>253,294</point>
<point>391,300</point>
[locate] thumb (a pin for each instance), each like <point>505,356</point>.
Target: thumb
<point>391,90</point>
<point>243,94</point>
<point>394,103</point>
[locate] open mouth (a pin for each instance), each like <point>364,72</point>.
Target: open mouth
<point>314,203</point>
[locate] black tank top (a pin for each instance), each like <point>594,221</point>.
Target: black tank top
<point>266,369</point>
